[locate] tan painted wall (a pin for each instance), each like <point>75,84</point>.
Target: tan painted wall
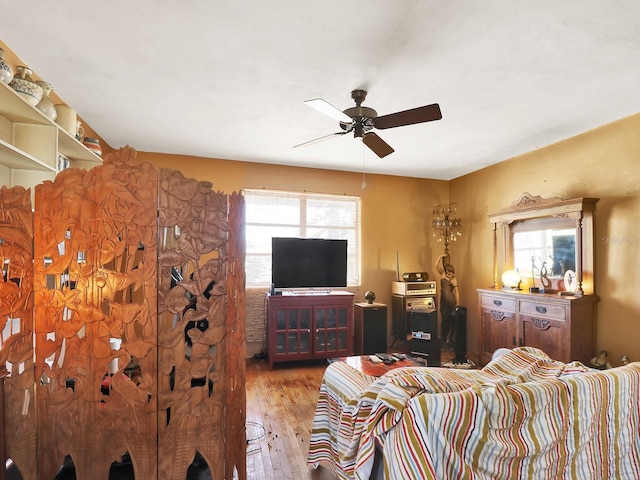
<point>396,216</point>
<point>603,163</point>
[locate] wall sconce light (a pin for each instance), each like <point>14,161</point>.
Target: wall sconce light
<point>446,224</point>
<point>511,279</point>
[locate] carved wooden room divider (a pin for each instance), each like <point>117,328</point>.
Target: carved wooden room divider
<point>16,326</point>
<point>138,282</point>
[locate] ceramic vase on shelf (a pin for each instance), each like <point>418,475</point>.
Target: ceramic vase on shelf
<point>93,144</point>
<point>6,73</point>
<point>45,105</point>
<point>67,118</point>
<point>79,131</point>
<point>24,85</point>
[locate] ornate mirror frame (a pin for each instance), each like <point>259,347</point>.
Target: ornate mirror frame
<point>531,212</point>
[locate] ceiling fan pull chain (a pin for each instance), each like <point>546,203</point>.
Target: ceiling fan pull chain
<point>364,182</point>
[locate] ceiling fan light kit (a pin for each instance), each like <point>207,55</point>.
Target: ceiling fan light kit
<point>361,120</point>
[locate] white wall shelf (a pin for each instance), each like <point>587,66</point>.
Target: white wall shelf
<point>29,141</point>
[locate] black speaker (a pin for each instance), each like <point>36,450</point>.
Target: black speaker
<point>370,328</point>
<point>424,342</point>
<point>460,329</point>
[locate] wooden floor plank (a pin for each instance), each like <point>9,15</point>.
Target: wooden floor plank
<point>283,401</point>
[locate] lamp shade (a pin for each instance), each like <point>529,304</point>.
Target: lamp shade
<point>511,279</point>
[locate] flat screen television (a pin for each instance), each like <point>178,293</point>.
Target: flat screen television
<point>308,263</point>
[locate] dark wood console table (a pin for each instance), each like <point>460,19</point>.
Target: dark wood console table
<point>309,326</point>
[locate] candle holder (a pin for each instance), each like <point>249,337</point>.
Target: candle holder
<point>446,224</point>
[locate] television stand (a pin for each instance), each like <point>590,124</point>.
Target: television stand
<point>307,292</point>
<point>308,326</point>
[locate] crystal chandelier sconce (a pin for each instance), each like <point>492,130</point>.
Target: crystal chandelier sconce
<point>446,224</point>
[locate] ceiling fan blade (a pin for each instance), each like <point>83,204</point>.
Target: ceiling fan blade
<point>427,113</point>
<point>375,143</point>
<point>325,107</point>
<point>320,139</point>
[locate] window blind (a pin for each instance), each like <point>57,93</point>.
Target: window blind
<point>273,213</point>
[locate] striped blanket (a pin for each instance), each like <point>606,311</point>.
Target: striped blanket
<point>355,414</point>
<point>574,427</point>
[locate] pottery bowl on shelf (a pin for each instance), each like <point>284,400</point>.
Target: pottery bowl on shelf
<point>93,144</point>
<point>24,85</point>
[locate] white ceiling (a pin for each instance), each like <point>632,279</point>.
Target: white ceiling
<point>227,78</point>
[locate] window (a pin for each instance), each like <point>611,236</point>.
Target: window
<point>272,213</point>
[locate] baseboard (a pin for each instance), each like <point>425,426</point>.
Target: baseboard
<point>254,348</point>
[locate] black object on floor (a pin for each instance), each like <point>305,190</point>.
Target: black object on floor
<point>460,329</point>
<point>198,470</point>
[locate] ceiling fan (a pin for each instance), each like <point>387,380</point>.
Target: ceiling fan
<point>362,120</point>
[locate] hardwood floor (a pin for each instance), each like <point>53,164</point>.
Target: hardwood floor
<point>280,408</point>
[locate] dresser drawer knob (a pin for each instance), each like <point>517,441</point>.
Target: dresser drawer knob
<point>497,303</point>
<point>541,309</point>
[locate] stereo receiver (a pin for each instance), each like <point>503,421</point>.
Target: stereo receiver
<point>413,288</point>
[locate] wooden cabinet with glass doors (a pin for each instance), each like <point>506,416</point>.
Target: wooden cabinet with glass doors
<point>309,326</point>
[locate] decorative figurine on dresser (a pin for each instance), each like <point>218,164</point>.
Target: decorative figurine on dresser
<point>554,240</point>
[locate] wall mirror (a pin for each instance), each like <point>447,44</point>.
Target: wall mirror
<point>548,243</point>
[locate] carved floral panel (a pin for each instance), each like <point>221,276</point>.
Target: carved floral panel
<point>95,238</point>
<point>133,294</point>
<point>16,327</point>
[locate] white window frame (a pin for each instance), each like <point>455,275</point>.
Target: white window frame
<point>255,257</point>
